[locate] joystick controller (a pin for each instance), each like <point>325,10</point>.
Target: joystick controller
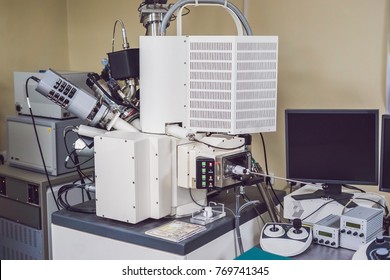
<point>297,224</point>
<point>377,249</point>
<point>285,239</point>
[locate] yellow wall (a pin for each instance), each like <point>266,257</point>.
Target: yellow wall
<point>332,53</point>
<point>33,36</point>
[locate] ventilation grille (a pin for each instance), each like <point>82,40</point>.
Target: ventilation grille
<point>19,242</point>
<point>232,84</point>
<point>256,86</point>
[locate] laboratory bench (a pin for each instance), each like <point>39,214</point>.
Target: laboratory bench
<point>86,236</point>
<point>313,252</point>
<point>321,252</point>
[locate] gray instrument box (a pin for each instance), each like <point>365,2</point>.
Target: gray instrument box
<point>26,205</point>
<point>23,150</point>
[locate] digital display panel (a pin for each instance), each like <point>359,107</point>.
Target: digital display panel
<point>352,225</point>
<point>324,233</point>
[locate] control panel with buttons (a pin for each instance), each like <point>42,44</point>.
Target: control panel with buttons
<point>359,226</point>
<point>70,97</point>
<point>205,173</point>
<point>327,231</point>
<point>62,93</point>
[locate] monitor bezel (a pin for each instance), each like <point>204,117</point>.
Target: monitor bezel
<point>328,181</point>
<point>385,118</point>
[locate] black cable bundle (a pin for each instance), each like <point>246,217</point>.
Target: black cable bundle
<point>64,203</point>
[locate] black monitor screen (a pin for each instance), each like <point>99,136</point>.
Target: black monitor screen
<point>332,147</point>
<point>384,184</point>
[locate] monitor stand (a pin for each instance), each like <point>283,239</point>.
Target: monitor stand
<point>329,191</point>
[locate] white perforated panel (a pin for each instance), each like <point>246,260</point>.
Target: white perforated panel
<point>232,84</point>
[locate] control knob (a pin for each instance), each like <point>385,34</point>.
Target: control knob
<point>297,224</point>
<point>382,253</point>
<point>379,239</point>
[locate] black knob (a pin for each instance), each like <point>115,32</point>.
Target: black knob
<point>379,239</point>
<point>333,243</point>
<point>297,224</point>
<point>382,253</point>
<point>361,235</point>
<point>315,239</point>
<point>342,231</point>
<point>274,228</point>
<point>18,107</point>
<point>327,242</point>
<point>321,241</point>
<point>349,232</point>
<point>355,233</point>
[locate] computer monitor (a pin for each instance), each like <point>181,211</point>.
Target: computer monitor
<point>384,182</point>
<point>333,148</point>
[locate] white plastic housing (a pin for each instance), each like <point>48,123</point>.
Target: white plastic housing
<point>224,84</point>
<point>133,179</point>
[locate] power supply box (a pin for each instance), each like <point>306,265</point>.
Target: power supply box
<point>26,205</point>
<point>327,231</point>
<point>23,150</point>
<point>359,226</point>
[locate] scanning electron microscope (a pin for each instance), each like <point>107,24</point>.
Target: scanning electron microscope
<point>167,121</point>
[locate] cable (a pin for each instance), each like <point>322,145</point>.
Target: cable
<point>93,80</point>
<point>216,147</point>
<point>275,209</point>
<point>173,17</point>
<point>82,191</point>
<point>267,179</point>
<point>284,179</point>
<point>132,118</point>
<point>63,199</point>
<point>124,36</point>
<point>315,211</point>
<point>190,191</point>
<point>363,194</point>
<point>237,223</point>
<point>337,200</point>
<point>77,165</point>
<point>263,190</point>
<point>265,158</point>
<point>231,211</point>
<point>227,4</point>
<point>37,137</point>
<point>353,188</point>
<point>247,199</point>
